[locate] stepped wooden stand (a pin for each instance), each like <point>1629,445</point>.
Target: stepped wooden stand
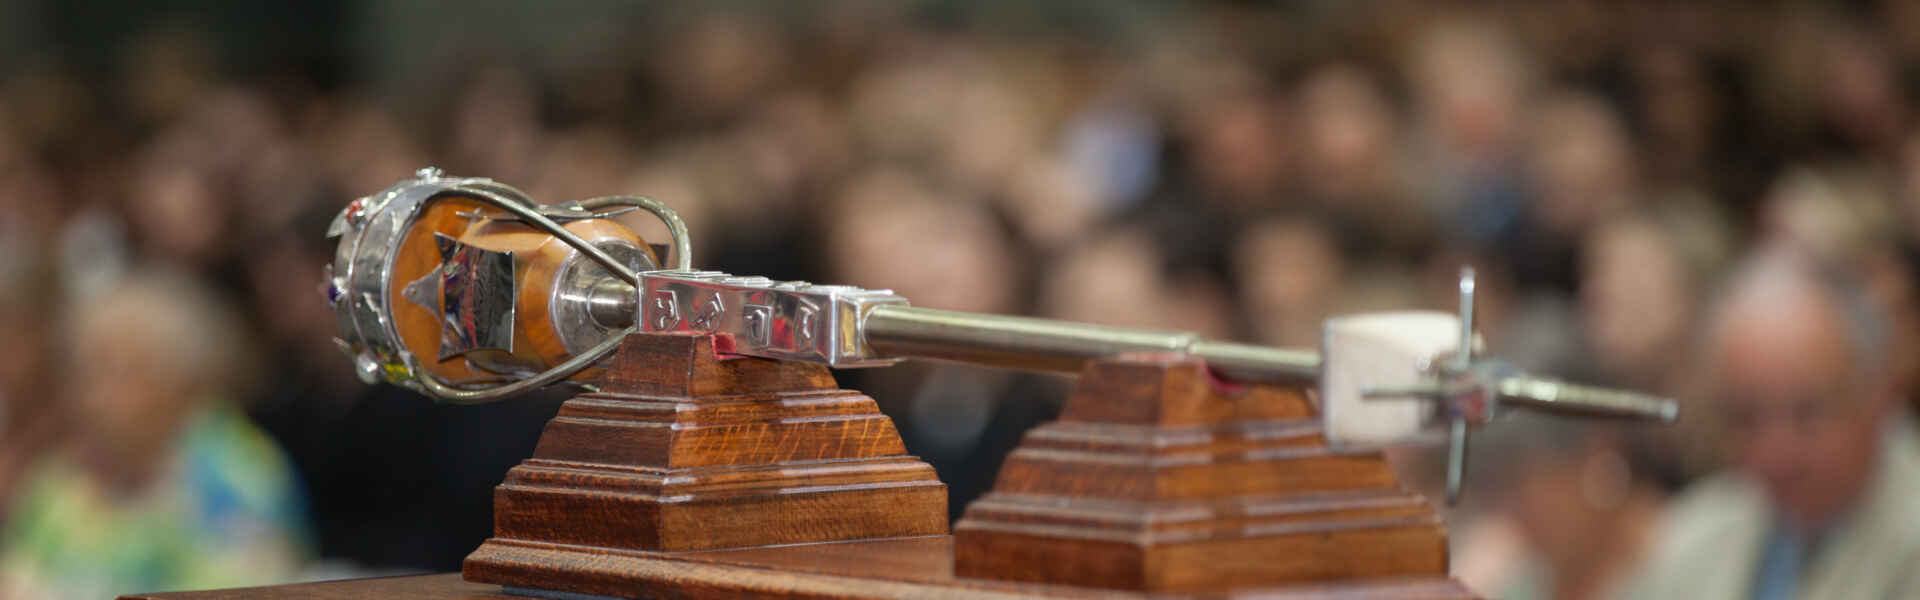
<point>1154,480</point>
<point>682,450</point>
<point>696,475</point>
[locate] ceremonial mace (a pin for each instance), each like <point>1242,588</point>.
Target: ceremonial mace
<point>466,290</point>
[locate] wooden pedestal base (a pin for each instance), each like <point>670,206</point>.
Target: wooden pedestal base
<point>684,450</point>
<point>693,475</point>
<point>1155,480</point>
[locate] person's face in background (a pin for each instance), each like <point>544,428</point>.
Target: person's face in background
<point>1861,94</point>
<point>1116,279</point>
<point>175,214</point>
<point>1468,81</point>
<point>1349,133</point>
<point>1634,299</point>
<point>891,231</point>
<point>1050,204</point>
<point>723,61</point>
<point>1239,154</point>
<point>1581,160</point>
<point>1679,111</point>
<point>1109,280</point>
<point>1802,416</point>
<point>1291,273</point>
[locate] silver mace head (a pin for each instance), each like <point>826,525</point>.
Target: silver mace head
<point>1467,391</point>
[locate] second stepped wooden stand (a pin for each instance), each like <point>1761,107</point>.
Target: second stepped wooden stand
<point>695,475</point>
<point>1154,480</point>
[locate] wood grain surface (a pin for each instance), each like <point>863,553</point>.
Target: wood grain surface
<point>684,449</point>
<point>1155,479</point>
<point>913,568</point>
<point>445,586</point>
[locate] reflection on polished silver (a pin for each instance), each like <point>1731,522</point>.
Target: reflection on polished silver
<point>425,291</point>
<point>583,290</point>
<point>1561,397</point>
<point>1468,392</point>
<point>791,320</point>
<point>682,252</point>
<point>477,292</point>
<point>1048,345</point>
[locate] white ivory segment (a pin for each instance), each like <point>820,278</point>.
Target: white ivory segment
<point>1375,350</point>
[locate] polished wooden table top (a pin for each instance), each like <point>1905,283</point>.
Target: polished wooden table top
<point>449,586</point>
<point>444,586</point>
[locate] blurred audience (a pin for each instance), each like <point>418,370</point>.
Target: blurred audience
<point>1243,170</point>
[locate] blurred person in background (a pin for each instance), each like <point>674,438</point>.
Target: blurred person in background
<point>1643,279</point>
<point>1569,510</point>
<point>1354,171</point>
<point>1818,497</point>
<point>164,483</point>
<point>889,229</point>
<point>1121,278</point>
<point>1848,215</point>
<point>1469,85</point>
<point>1290,273</point>
<point>28,217</point>
<point>1579,173</point>
<point>1861,100</point>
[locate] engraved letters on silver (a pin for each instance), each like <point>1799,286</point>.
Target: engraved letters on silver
<point>791,320</point>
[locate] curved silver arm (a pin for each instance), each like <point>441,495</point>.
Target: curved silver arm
<point>458,395</point>
<point>676,229</point>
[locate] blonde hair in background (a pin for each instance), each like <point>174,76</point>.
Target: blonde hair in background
<point>188,331</point>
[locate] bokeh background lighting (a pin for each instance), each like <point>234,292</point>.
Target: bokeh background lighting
<point>1240,169</point>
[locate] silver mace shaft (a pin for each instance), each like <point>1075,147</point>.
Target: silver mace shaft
<point>851,327</point>
<point>844,326</point>
<point>838,326</point>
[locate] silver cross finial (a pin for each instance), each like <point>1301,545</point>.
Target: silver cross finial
<point>1469,391</point>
